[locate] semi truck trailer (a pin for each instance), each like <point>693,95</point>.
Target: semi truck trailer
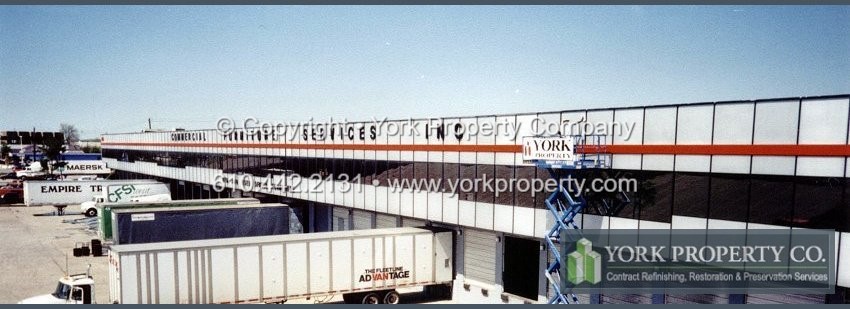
<point>104,210</point>
<point>364,266</point>
<point>159,224</point>
<point>144,192</point>
<point>69,192</point>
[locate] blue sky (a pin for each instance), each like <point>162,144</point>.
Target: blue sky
<point>109,68</point>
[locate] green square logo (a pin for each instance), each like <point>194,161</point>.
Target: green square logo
<point>584,264</point>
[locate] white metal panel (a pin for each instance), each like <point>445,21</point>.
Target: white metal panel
<point>341,271</point>
<point>183,284</point>
<point>653,225</point>
<point>466,213</point>
<point>365,258</point>
<point>685,222</point>
<point>425,258</point>
<point>381,199</point>
<point>484,215</point>
<point>420,202</point>
<point>823,121</point>
<point>726,224</point>
<point>623,223</point>
<point>630,117</point>
<point>370,202</point>
<point>773,165</point>
<point>129,279</point>
<point>594,222</point>
<point>247,259</point>
<point>450,208</point>
<point>165,278</point>
<point>393,200</point>
<point>319,260</point>
<point>298,268</point>
<point>273,270</point>
<point>443,255</point>
<point>776,122</point>
<point>601,118</point>
<point>404,256</point>
<point>223,279</point>
<point>435,206</point>
<point>503,218</point>
<point>730,164</point>
<point>659,127</point>
<point>523,221</point>
<point>543,221</point>
<point>693,163</point>
<point>406,202</point>
<point>626,162</point>
<point>820,166</point>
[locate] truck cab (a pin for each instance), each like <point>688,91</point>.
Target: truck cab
<point>74,289</point>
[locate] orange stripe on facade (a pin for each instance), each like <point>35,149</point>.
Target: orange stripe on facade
<point>831,150</point>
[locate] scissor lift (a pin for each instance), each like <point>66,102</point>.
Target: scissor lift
<point>564,205</point>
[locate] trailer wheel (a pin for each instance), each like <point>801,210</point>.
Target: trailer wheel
<point>91,212</point>
<point>371,298</point>
<point>391,297</point>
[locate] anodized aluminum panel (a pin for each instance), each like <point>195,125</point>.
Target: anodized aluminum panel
<point>623,223</point>
<point>776,122</point>
<point>420,203</point>
<point>823,122</point>
<point>450,208</point>
<point>725,224</point>
<point>685,222</point>
<point>602,117</point>
<point>484,215</point>
<point>523,221</point>
<point>660,126</point>
<point>466,213</point>
<point>503,218</point>
<point>435,206</point>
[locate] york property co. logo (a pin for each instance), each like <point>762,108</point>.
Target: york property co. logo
<point>584,264</point>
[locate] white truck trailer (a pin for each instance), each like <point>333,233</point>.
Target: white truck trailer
<point>127,192</point>
<point>365,266</point>
<point>69,192</point>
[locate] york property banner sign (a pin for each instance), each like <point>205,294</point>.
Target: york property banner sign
<point>698,261</point>
<point>548,149</point>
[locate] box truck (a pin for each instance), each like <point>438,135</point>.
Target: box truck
<point>143,192</point>
<point>104,210</point>
<point>69,192</point>
<point>365,266</point>
<point>139,225</point>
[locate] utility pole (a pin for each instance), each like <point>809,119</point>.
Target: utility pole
<point>149,124</point>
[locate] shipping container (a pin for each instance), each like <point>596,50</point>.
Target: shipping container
<point>160,224</point>
<point>365,266</point>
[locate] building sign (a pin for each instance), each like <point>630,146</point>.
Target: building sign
<point>548,149</point>
<point>85,167</point>
<point>695,261</point>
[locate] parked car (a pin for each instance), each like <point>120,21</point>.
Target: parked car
<point>10,175</point>
<point>12,193</point>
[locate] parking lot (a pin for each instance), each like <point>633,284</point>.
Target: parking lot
<point>35,247</point>
<point>36,243</point>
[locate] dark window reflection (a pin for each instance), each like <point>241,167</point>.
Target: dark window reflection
<point>771,199</point>
<point>691,195</point>
<point>730,197</point>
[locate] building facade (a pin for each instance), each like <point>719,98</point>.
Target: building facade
<point>761,164</point>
